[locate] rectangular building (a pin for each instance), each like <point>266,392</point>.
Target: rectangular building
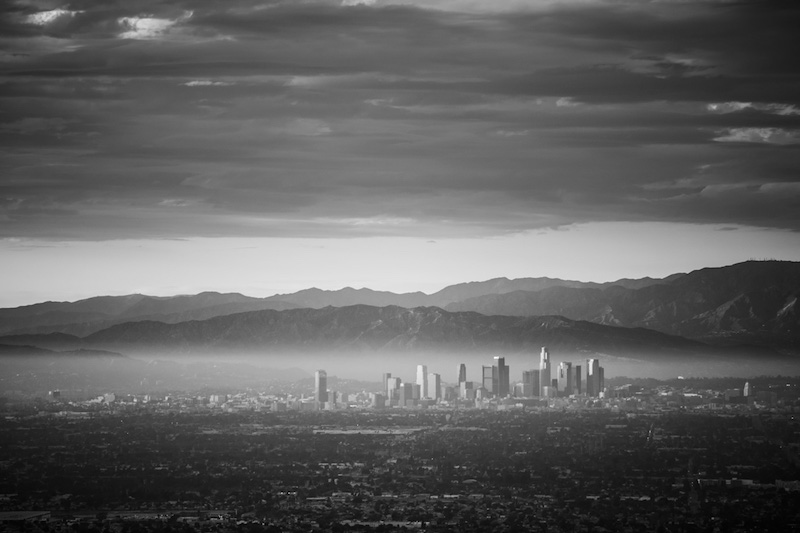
<point>488,378</point>
<point>393,390</point>
<point>422,381</point>
<point>533,379</point>
<point>320,387</point>
<point>565,377</point>
<point>593,377</point>
<point>467,390</point>
<point>406,398</point>
<point>544,368</point>
<point>434,386</point>
<point>502,377</point>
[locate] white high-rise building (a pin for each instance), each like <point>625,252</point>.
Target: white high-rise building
<point>544,369</point>
<point>422,380</point>
<point>594,377</point>
<point>386,377</point>
<point>393,389</point>
<point>320,388</point>
<point>435,386</point>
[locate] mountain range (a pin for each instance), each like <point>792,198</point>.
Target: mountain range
<point>94,314</point>
<point>749,307</point>
<point>752,302</point>
<point>363,328</point>
<point>85,317</point>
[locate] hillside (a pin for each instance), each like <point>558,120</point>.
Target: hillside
<point>752,302</point>
<point>368,329</point>
<point>94,314</point>
<point>85,317</point>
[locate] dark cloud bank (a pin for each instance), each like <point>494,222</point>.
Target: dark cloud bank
<point>175,119</point>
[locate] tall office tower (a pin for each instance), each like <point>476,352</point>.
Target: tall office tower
<point>392,389</point>
<point>320,387</point>
<point>602,380</point>
<point>746,391</point>
<point>577,381</point>
<point>592,377</point>
<point>565,383</point>
<point>503,382</point>
<point>527,383</point>
<point>406,395</point>
<point>535,379</point>
<point>487,378</point>
<point>544,368</point>
<point>416,391</point>
<point>531,385</point>
<point>462,373</point>
<point>386,377</point>
<point>422,380</point>
<point>435,386</point>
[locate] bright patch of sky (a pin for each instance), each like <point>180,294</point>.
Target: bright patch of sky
<point>263,267</point>
<point>43,18</point>
<point>147,27</point>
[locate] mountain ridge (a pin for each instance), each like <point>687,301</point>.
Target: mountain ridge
<point>753,302</point>
<point>369,329</point>
<point>747,302</point>
<point>83,317</point>
<point>88,315</point>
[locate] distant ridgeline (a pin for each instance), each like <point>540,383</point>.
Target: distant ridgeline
<point>748,309</point>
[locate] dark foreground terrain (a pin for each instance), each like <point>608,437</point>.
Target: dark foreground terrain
<point>589,470</point>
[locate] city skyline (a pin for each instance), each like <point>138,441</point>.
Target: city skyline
<point>719,452</point>
<point>495,384</point>
<point>166,148</point>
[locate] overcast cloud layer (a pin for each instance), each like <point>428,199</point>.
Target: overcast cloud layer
<point>170,119</point>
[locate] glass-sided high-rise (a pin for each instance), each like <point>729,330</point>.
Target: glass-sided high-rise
<point>544,369</point>
<point>320,387</point>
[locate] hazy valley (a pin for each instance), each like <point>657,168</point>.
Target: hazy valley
<point>736,320</point>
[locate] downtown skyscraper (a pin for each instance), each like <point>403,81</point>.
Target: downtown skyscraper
<point>422,381</point>
<point>544,369</point>
<point>532,383</point>
<point>565,378</point>
<point>595,379</point>
<point>462,373</point>
<point>320,387</point>
<point>434,386</point>
<point>501,377</point>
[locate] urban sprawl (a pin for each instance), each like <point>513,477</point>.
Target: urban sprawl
<point>566,452</point>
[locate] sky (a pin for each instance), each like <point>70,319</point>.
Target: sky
<point>172,147</point>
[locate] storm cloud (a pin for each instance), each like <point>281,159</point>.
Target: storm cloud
<point>169,119</point>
